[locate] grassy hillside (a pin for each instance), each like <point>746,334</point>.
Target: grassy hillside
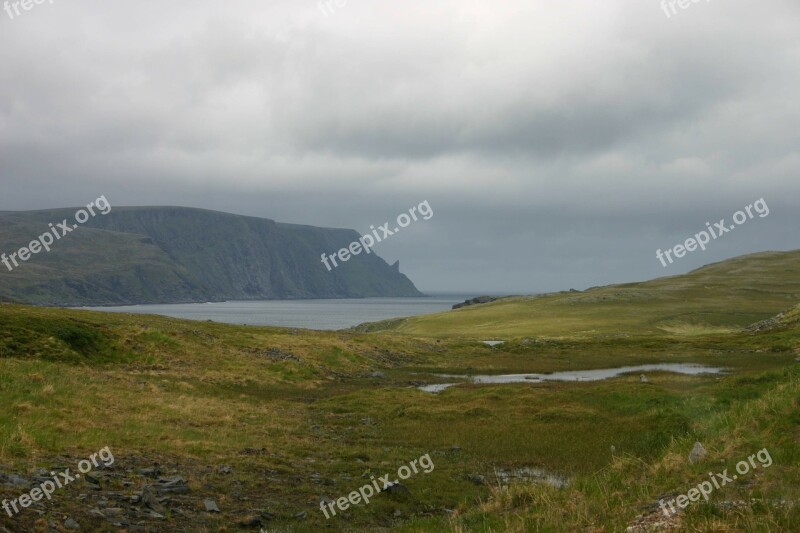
<point>718,297</point>
<point>268,422</point>
<point>163,254</point>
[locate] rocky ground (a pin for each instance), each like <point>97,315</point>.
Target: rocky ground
<point>138,494</point>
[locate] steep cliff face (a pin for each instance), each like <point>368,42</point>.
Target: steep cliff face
<point>170,254</point>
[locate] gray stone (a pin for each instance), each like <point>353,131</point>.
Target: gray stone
<point>211,506</point>
<point>698,453</point>
<point>18,481</point>
<point>150,501</point>
<point>69,523</point>
<point>171,485</point>
<point>477,479</point>
<point>644,379</point>
<point>148,472</point>
<point>92,480</point>
<point>397,488</point>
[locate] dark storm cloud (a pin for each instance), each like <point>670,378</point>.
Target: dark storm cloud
<point>558,143</point>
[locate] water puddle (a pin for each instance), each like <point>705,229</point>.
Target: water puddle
<point>530,475</point>
<point>493,343</point>
<point>575,375</point>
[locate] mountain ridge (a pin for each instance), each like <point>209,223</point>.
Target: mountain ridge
<point>153,254</point>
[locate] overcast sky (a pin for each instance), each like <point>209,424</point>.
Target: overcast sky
<point>559,143</point>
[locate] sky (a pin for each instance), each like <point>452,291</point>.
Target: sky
<point>559,144</point>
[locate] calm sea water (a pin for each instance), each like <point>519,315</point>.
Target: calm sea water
<point>310,314</point>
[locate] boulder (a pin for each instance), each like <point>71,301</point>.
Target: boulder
<point>698,453</point>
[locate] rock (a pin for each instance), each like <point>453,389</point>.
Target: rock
<point>644,379</point>
<point>91,479</point>
<point>16,481</point>
<point>254,451</point>
<point>150,501</point>
<point>149,472</point>
<point>276,354</point>
<point>301,516</point>
<point>398,488</point>
<point>224,469</point>
<point>171,485</point>
<point>769,324</point>
<point>655,521</point>
<point>698,453</point>
<point>69,523</point>
<point>211,506</point>
<point>477,479</point>
<point>377,375</point>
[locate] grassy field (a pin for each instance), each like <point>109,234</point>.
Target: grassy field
<point>714,298</point>
<point>269,421</point>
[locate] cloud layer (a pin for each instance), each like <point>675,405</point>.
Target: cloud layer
<point>559,143</point>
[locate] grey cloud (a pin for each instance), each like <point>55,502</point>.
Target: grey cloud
<point>560,144</point>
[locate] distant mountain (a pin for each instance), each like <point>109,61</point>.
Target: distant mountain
<point>137,255</point>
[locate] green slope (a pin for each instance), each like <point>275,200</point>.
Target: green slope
<point>730,294</point>
<point>297,416</point>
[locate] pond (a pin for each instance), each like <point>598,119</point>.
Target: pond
<point>575,375</point>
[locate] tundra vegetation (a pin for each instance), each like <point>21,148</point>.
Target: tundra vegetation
<point>267,422</point>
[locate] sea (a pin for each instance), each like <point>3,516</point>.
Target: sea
<point>307,314</point>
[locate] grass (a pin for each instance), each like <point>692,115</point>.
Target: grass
<point>716,298</point>
<point>607,499</point>
<point>299,417</point>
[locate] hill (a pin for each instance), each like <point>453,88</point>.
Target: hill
<point>726,295</point>
<point>137,255</point>
<point>269,423</point>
